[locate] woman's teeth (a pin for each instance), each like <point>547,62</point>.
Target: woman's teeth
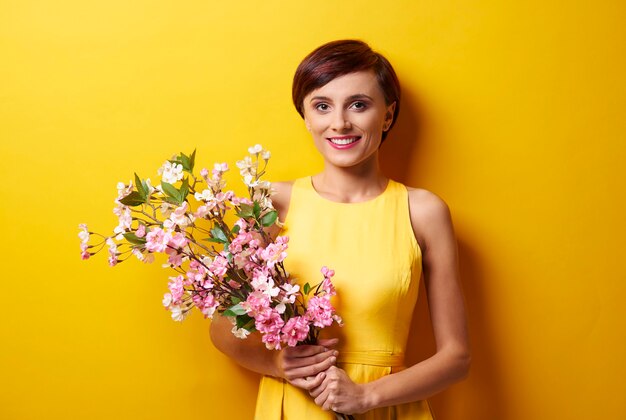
<point>343,142</point>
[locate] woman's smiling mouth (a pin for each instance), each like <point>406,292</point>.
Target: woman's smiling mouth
<point>343,142</point>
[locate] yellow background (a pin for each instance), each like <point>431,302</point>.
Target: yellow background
<point>513,113</point>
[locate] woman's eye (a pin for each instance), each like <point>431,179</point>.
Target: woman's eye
<point>322,107</point>
<point>359,105</point>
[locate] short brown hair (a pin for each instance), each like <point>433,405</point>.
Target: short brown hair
<point>338,58</point>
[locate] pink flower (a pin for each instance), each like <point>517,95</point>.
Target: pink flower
<point>203,211</point>
<point>157,240</point>
<point>178,241</point>
<point>239,242</point>
<point>328,287</point>
<point>295,330</point>
<point>141,231</point>
<point>176,288</point>
<point>269,323</point>
<point>84,253</point>
<point>112,252</point>
<point>179,216</point>
<point>256,303</point>
<point>207,304</point>
<point>327,272</point>
<point>175,259</point>
<point>320,311</point>
<point>219,266</point>
<point>274,253</point>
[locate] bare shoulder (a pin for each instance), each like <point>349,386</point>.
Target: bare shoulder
<point>281,197</point>
<point>430,215</point>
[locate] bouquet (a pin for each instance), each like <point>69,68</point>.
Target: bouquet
<point>235,269</point>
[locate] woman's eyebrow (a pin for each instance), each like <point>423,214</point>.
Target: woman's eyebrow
<point>350,98</point>
<point>323,98</point>
<point>359,96</point>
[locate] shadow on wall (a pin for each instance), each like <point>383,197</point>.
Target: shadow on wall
<point>480,396</point>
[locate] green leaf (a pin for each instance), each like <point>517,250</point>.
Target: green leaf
<point>245,210</point>
<point>134,239</point>
<point>192,160</point>
<point>235,229</point>
<point>235,310</point>
<point>184,160</point>
<point>218,233</point>
<point>171,192</point>
<point>306,288</point>
<point>143,192</point>
<point>235,299</point>
<point>219,241</point>
<point>133,199</point>
<point>245,321</point>
<point>256,209</point>
<point>269,219</point>
<point>184,189</point>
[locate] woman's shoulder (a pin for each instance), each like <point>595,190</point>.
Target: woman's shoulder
<point>429,213</point>
<point>422,199</point>
<point>281,197</point>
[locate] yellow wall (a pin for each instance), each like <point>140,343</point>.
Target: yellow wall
<point>513,113</point>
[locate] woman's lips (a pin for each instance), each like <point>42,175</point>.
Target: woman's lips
<point>343,142</point>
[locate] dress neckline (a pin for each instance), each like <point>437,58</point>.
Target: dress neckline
<point>308,182</point>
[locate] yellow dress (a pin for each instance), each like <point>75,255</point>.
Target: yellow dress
<point>377,263</point>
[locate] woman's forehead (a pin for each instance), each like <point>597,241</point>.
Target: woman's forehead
<point>351,84</point>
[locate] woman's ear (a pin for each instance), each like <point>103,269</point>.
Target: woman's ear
<point>389,116</point>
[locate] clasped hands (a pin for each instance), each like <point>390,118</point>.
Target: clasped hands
<point>312,368</point>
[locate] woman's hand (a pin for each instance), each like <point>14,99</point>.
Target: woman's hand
<point>304,366</point>
<point>338,393</point>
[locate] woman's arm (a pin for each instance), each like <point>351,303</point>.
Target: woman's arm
<point>293,363</point>
<point>433,229</point>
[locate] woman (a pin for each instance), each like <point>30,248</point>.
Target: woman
<point>377,235</point>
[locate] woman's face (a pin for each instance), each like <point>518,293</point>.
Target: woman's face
<point>346,118</point>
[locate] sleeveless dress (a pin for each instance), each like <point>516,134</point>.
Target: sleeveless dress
<point>377,263</point>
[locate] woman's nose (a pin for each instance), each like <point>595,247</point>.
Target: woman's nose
<point>340,122</point>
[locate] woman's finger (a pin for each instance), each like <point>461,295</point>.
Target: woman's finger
<point>290,362</point>
<point>310,370</point>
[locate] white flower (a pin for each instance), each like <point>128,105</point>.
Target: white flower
<point>178,314</point>
<point>206,195</point>
<point>83,235</point>
<point>250,181</point>
<point>150,187</point>
<point>167,299</point>
<point>220,167</point>
<point>265,155</point>
<point>257,148</point>
<point>123,190</point>
<point>280,308</point>
<point>240,332</point>
<point>246,166</point>
<point>171,172</point>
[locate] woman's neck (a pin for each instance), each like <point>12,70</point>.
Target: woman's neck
<point>351,185</point>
